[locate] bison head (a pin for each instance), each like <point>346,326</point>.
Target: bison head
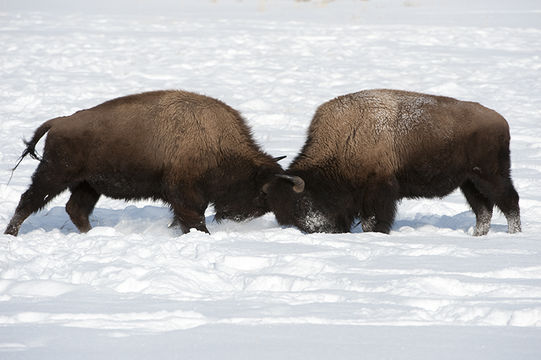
<point>247,203</point>
<point>244,198</point>
<point>311,207</point>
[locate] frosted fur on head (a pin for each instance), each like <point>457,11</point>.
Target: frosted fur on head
<point>314,220</point>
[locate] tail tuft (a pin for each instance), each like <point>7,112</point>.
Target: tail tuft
<point>30,150</point>
<point>31,144</point>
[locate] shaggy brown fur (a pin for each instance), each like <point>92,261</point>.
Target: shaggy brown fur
<point>183,148</point>
<point>367,150</point>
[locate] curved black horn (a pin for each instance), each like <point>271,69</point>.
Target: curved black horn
<point>298,182</point>
<point>280,158</point>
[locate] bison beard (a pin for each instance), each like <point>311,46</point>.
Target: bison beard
<point>185,149</point>
<point>366,151</point>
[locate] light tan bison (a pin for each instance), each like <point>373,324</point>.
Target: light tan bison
<point>366,151</point>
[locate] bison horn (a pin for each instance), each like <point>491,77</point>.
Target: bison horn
<point>280,158</point>
<point>298,182</point>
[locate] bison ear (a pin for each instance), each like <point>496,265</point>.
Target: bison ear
<point>297,181</point>
<point>265,188</point>
<point>280,158</point>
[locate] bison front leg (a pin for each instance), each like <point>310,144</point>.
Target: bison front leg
<point>190,219</point>
<point>368,224</point>
<point>385,214</point>
<point>189,212</point>
<point>380,207</point>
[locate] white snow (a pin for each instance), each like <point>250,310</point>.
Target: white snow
<point>132,288</point>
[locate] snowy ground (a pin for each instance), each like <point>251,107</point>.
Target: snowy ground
<point>133,289</point>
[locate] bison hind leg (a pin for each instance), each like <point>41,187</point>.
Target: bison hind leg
<point>46,184</point>
<point>501,192</point>
<point>507,201</point>
<point>513,222</point>
<point>481,207</point>
<point>81,204</point>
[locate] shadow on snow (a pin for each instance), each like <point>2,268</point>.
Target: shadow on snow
<point>133,219</point>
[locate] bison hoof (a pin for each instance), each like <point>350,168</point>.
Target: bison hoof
<point>513,223</point>
<point>514,228</point>
<point>11,230</point>
<point>481,230</point>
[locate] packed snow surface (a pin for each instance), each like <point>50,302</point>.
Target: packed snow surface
<point>133,288</point>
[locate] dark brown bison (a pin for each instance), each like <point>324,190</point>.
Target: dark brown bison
<point>366,151</point>
<point>185,149</point>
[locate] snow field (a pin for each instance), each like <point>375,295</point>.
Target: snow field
<point>292,278</point>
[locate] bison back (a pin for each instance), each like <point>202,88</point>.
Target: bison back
<point>383,131</point>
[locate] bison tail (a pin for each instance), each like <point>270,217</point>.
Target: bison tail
<point>31,144</point>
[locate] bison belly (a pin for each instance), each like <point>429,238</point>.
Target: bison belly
<point>129,185</point>
<point>433,173</point>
